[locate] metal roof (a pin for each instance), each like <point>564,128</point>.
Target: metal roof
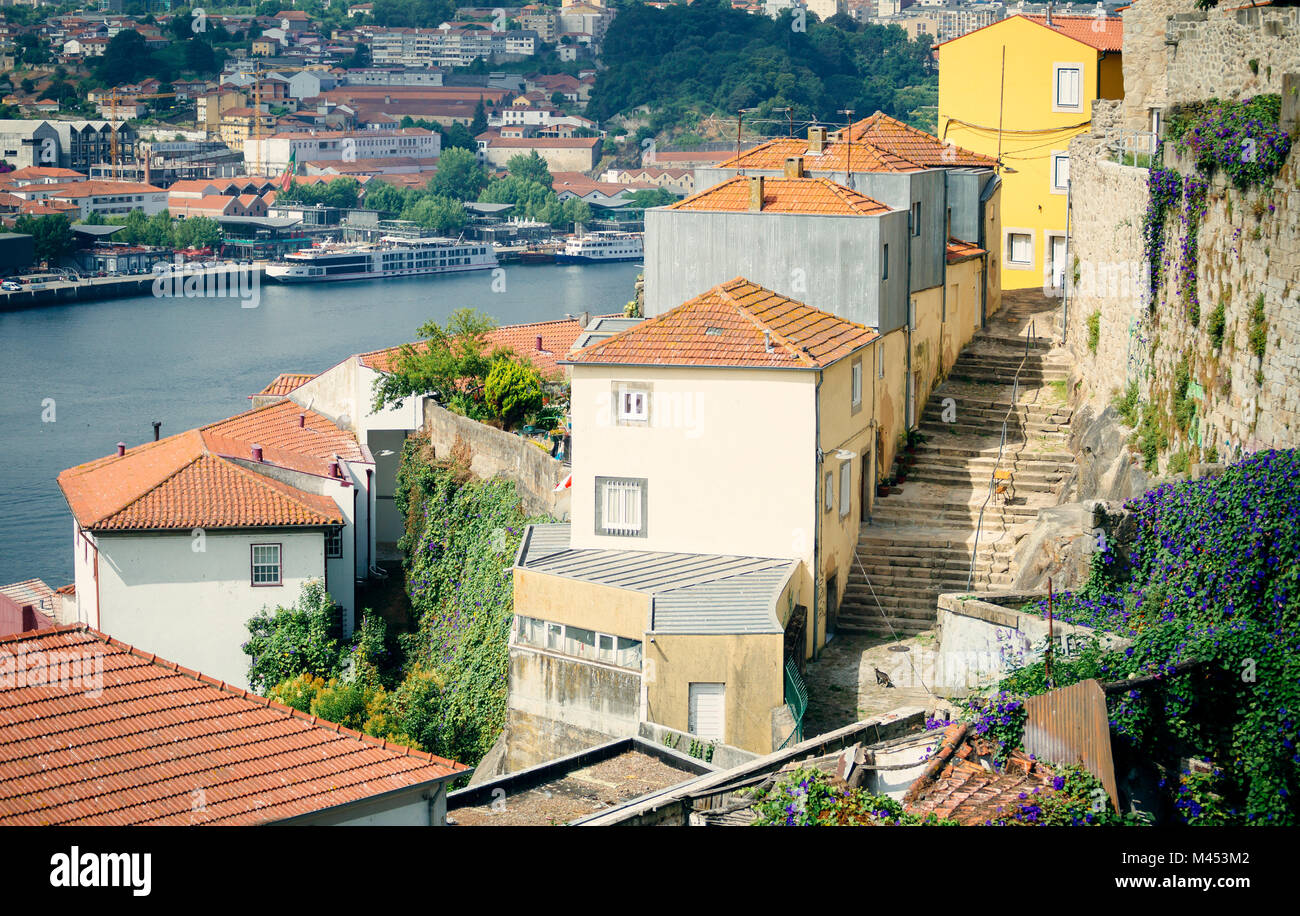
<point>699,593</point>
<point>602,328</point>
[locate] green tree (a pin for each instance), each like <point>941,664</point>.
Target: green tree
<point>383,196</point>
<point>529,167</point>
<point>443,215</point>
<point>303,638</point>
<point>449,362</point>
<point>480,122</point>
<point>51,236</point>
<point>459,175</point>
<point>513,390</point>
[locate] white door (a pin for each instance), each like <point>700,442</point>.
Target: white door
<point>1058,262</point>
<point>708,711</point>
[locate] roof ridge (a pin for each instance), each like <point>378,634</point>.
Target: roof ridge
<point>798,352</point>
<point>141,495</point>
<point>269,483</point>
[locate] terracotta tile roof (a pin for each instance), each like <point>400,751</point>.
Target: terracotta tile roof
<point>184,481</point>
<point>285,382</point>
<point>1085,29</point>
<point>899,139</point>
<point>958,785</point>
<point>309,448</point>
<point>819,196</point>
<point>730,325</point>
<point>961,251</point>
<point>557,336</point>
<point>160,738</point>
<point>835,157</point>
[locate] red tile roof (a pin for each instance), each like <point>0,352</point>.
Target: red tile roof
<point>165,745</point>
<point>731,326</point>
<point>962,251</point>
<point>913,144</point>
<point>1103,34</point>
<point>283,383</point>
<point>185,481</point>
<point>819,196</point>
<point>957,785</point>
<point>834,157</point>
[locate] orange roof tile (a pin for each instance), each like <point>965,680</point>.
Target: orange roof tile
<point>819,196</point>
<point>961,251</point>
<point>285,382</point>
<point>731,325</point>
<point>834,157</point>
<point>184,481</point>
<point>158,737</point>
<point>1103,34</point>
<point>899,139</point>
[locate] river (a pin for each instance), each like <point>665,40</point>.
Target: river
<point>78,379</point>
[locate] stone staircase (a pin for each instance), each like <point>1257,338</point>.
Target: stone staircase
<point>919,539</point>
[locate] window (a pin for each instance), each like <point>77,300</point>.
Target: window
<point>916,218</point>
<point>620,506</point>
<point>334,543</point>
<point>880,359</point>
<point>856,388</point>
<point>1068,80</point>
<point>884,263</point>
<point>578,642</point>
<point>846,488</point>
<point>266,564</point>
<point>1020,249</point>
<point>633,405</point>
<point>1060,172</point>
<point>830,490</point>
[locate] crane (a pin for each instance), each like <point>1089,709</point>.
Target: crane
<point>113,96</point>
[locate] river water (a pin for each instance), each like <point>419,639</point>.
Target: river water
<point>78,379</point>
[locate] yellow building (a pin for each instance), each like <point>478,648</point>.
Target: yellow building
<point>1020,90</point>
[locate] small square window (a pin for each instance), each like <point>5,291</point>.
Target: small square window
<point>916,218</point>
<point>1020,248</point>
<point>632,404</point>
<point>1060,172</point>
<point>620,506</point>
<point>884,262</point>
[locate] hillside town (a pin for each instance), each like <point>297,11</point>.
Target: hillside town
<point>714,413</point>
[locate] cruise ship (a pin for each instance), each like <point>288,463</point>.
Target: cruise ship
<point>602,246</point>
<point>389,257</point>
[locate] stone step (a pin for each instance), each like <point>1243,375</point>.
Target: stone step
<point>895,627</point>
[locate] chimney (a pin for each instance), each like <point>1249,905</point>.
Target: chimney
<point>302,420</point>
<point>767,341</point>
<point>1049,14</point>
<point>585,318</point>
<point>257,453</point>
<point>794,167</point>
<point>538,348</point>
<point>755,192</point>
<point>157,426</point>
<point>121,449</point>
<point>816,140</point>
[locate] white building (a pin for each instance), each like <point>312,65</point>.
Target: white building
<point>271,154</point>
<point>179,542</point>
<point>109,198</point>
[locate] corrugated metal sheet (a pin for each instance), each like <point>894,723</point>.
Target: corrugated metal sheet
<point>692,592</point>
<point>1069,726</point>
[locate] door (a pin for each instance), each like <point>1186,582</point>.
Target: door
<point>1057,263</point>
<point>708,711</point>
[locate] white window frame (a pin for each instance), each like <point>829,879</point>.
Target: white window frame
<point>625,499</point>
<point>638,399</point>
<point>846,488</point>
<point>855,385</point>
<point>1053,185</point>
<point>1057,69</point>
<point>254,565</point>
<point>1008,261</point>
<point>334,536</point>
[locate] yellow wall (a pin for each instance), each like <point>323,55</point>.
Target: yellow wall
<point>603,608</point>
<point>975,98</point>
<point>750,666</point>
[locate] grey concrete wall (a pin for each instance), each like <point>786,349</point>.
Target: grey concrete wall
<point>724,755</point>
<point>497,453</point>
<point>964,189</point>
<point>831,263</point>
<point>558,706</point>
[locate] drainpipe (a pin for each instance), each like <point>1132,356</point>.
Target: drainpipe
<point>819,498</point>
<point>1065,278</point>
<point>370,503</point>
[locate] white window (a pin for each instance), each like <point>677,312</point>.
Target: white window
<point>707,713</point>
<point>846,488</point>
<point>1060,172</point>
<point>334,543</point>
<point>1067,82</point>
<point>266,564</point>
<point>620,505</point>
<point>555,636</point>
<point>1020,249</point>
<point>916,218</point>
<point>830,490</point>
<point>857,383</point>
<point>633,404</point>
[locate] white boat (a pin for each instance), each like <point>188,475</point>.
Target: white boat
<point>389,257</point>
<point>602,246</point>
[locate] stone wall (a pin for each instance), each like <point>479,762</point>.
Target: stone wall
<point>494,453</point>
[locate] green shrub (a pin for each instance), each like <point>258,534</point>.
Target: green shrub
<point>513,391</point>
<point>1127,404</point>
<point>304,638</point>
<point>1258,327</point>
<point>1217,324</point>
<point>804,797</point>
<point>1094,331</point>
